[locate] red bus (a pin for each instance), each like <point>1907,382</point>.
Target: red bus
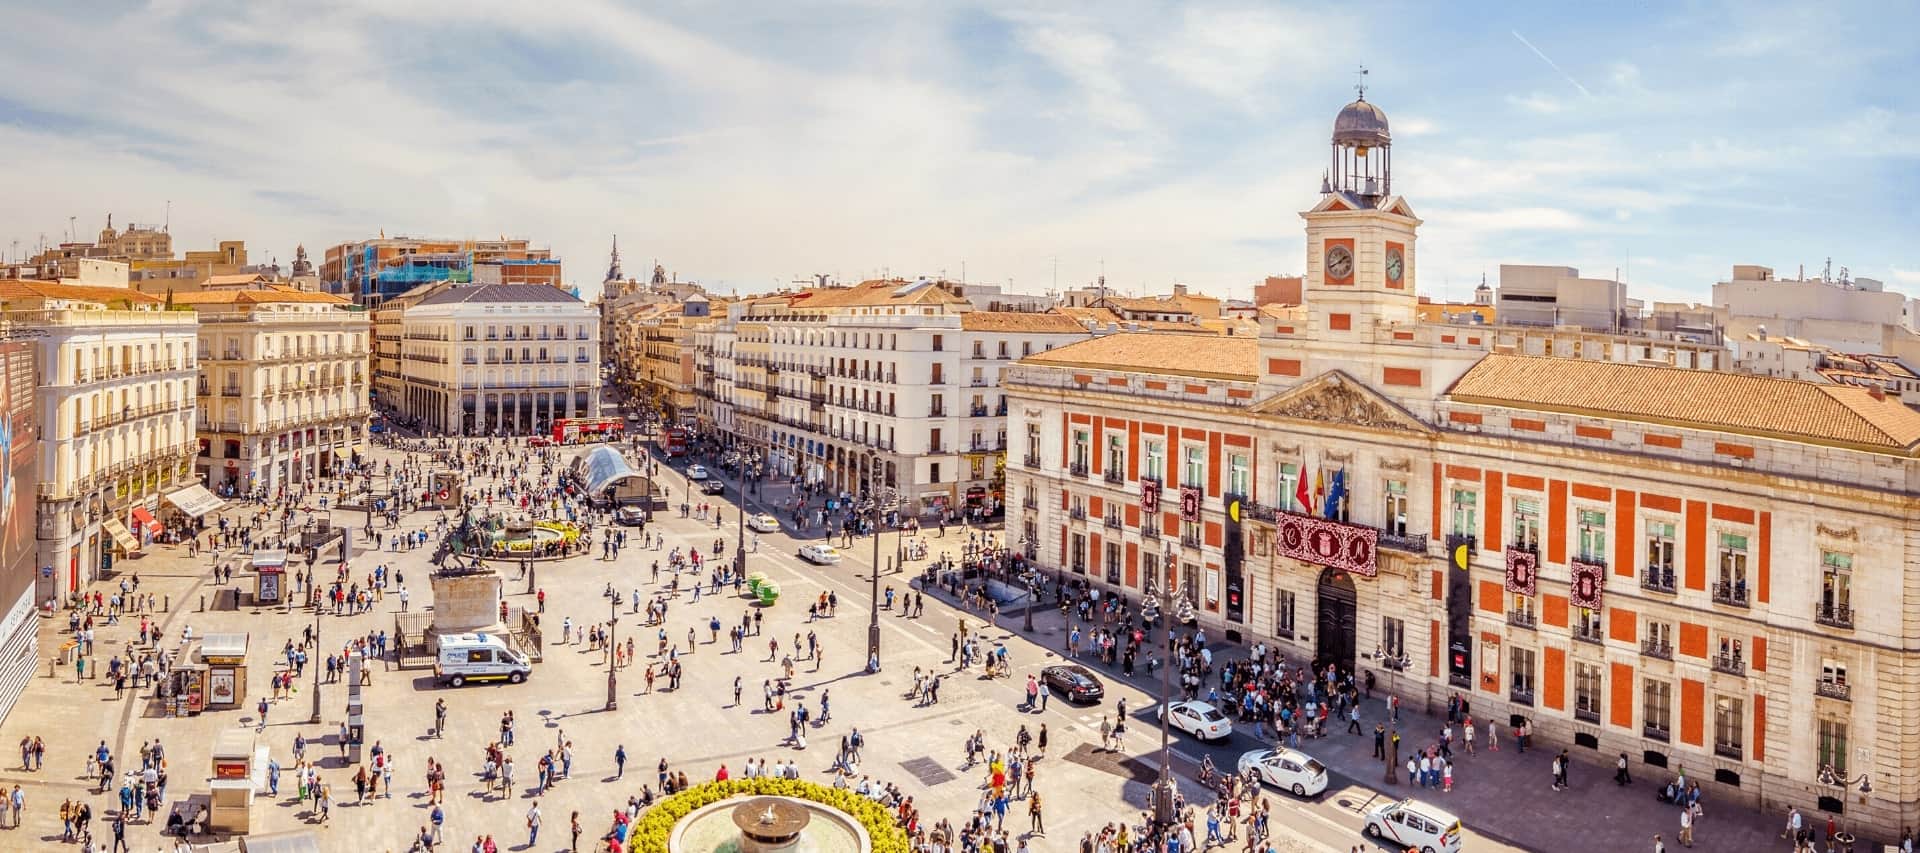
<point>674,441</point>
<point>575,430</point>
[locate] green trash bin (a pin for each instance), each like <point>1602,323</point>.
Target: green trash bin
<point>755,581</point>
<point>769,592</point>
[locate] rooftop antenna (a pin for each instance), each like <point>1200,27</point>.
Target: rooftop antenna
<point>167,223</point>
<point>70,221</point>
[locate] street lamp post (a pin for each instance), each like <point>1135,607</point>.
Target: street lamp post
<point>1163,791</point>
<point>314,654</point>
<point>613,646</point>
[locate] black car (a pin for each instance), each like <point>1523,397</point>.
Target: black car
<point>630,516</point>
<point>712,486</point>
<point>1073,682</point>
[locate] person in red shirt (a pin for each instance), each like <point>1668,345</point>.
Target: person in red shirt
<point>722,775</point>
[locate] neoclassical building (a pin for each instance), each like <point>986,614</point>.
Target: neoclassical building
<point>1638,553</point>
<point>282,394</point>
<point>482,359</point>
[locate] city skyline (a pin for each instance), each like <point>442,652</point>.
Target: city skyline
<point>1162,144</point>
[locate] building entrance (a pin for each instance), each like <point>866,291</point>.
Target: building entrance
<point>1338,609</point>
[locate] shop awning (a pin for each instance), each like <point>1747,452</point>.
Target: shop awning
<point>269,558</point>
<point>145,519</point>
<point>121,535</point>
<point>195,500</point>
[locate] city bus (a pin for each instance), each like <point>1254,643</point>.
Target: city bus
<point>576,430</point>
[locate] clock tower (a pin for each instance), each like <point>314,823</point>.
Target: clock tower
<point>1360,237</point>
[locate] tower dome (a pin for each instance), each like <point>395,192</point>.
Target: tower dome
<point>1361,125</point>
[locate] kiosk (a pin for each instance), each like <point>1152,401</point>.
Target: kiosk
<point>239,771</point>
<point>270,576</point>
<point>225,657</point>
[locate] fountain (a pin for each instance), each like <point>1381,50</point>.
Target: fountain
<point>768,825</point>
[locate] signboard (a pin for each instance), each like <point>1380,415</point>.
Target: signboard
<point>1589,580</point>
<point>1149,496</point>
<point>1322,542</point>
<point>1189,503</point>
<point>1235,557</point>
<point>1523,571</point>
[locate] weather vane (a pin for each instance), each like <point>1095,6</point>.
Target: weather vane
<point>1361,86</point>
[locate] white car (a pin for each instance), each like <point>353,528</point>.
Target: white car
<point>819,555</point>
<point>763,523</point>
<point>1416,826</point>
<point>1200,720</point>
<point>696,472</point>
<point>1287,769</point>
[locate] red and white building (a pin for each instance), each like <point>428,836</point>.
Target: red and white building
<point>1597,532</point>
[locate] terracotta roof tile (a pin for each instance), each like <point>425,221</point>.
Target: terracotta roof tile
<point>1726,402</point>
<point>31,289</point>
<point>1199,355</point>
<point>1016,321</point>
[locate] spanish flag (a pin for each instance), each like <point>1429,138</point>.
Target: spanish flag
<point>1319,487</point>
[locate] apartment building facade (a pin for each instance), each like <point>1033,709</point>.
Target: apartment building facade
<point>114,411</point>
<point>496,359</point>
<point>283,387</point>
<point>1695,568</point>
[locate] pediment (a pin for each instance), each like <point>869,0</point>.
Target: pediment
<point>1336,397</point>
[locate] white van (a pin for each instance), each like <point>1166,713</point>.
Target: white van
<point>479,657</point>
<point>1416,826</point>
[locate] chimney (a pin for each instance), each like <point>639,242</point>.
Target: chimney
<point>1879,393</point>
<point>1179,290</point>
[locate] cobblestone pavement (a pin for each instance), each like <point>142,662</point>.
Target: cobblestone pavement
<point>696,729</point>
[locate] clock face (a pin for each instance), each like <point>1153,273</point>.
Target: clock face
<point>1339,262</point>
<point>1396,265</point>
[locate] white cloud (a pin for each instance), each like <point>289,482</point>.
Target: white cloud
<point>1538,103</point>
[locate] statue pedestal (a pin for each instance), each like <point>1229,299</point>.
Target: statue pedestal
<point>467,602</point>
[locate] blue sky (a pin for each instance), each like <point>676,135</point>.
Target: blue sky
<point>746,145</point>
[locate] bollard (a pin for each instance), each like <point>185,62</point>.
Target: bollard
<point>203,604</point>
<point>167,603</point>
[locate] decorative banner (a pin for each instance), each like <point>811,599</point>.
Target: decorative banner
<point>1523,571</point>
<point>1190,503</point>
<point>1327,543</point>
<point>1589,580</point>
<point>1149,496</point>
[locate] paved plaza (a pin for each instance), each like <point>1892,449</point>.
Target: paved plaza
<point>1504,798</point>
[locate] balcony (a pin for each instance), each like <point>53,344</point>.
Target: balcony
<point>1032,460</point>
<point>1112,520</point>
<point>1522,619</point>
<point>978,382</point>
<point>1150,531</point>
<point>1412,544</point>
<point>1833,690</point>
<point>1727,750</point>
<point>1656,649</point>
<point>937,412</point>
<point>1077,469</point>
<point>976,411</point>
<point>230,391</point>
<point>1586,715</point>
<point>1589,635</point>
<point>1728,663</point>
<point>1833,615</point>
<point>1030,502</point>
<point>1077,513</point>
<point>1116,477</point>
<point>1521,695</point>
<point>1730,593</point>
<point>1659,733</point>
<point>1657,579</point>
<point>1190,540</point>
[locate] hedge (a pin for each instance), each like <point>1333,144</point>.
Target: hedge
<point>651,831</point>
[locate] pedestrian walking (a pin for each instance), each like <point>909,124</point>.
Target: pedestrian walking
<point>533,824</point>
<point>1686,826</point>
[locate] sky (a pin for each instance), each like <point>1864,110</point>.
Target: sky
<point>747,145</point>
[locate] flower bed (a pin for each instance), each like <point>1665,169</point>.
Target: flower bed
<point>651,831</point>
